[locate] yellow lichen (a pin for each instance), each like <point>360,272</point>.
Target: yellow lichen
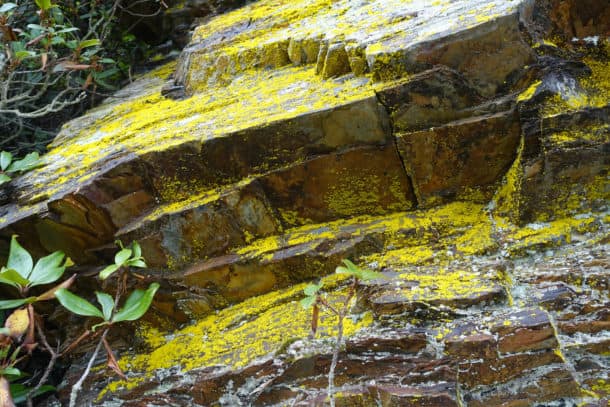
<point>445,285</point>
<point>529,92</point>
<point>237,335</point>
<point>595,91</point>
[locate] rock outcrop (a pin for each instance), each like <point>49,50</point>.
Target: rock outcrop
<point>437,141</point>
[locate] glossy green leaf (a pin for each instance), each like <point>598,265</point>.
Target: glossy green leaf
<point>121,257</point>
<point>107,303</point>
<point>67,30</point>
<point>136,249</point>
<point>136,305</point>
<point>312,289</point>
<point>104,274</point>
<point>24,54</point>
<point>308,302</point>
<point>11,277</point>
<point>30,161</point>
<point>367,275</point>
<point>36,27</point>
<point>19,259</point>
<point>5,160</point>
<point>6,7</point>
<point>137,263</point>
<point>43,4</point>
<point>76,304</point>
<point>48,269</point>
<point>20,392</point>
<point>89,43</point>
<point>12,371</point>
<point>4,179</point>
<point>350,266</point>
<point>10,304</point>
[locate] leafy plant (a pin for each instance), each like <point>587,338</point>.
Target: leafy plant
<point>18,335</point>
<point>10,166</point>
<point>126,257</point>
<point>317,301</point>
<point>54,57</point>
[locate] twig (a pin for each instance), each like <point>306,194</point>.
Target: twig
<point>54,356</point>
<point>77,386</point>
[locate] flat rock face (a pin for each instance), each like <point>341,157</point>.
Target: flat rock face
<point>431,140</point>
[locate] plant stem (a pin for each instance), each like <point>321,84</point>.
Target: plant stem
<point>341,316</point>
<point>333,364</point>
<point>47,372</point>
<point>77,386</point>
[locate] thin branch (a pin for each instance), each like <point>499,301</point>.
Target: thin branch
<point>43,379</point>
<point>79,384</point>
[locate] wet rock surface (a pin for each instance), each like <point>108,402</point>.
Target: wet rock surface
<point>459,147</point>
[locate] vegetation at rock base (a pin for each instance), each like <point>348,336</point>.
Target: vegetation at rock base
<point>56,60</point>
<point>10,166</point>
<point>23,329</point>
<point>315,299</point>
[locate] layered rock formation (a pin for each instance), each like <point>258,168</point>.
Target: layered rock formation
<point>419,138</point>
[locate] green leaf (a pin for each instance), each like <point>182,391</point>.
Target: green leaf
<point>121,257</point>
<point>5,160</point>
<point>107,61</point>
<point>13,371</point>
<point>105,74</point>
<point>36,27</point>
<point>6,7</point>
<point>43,4</point>
<point>67,30</point>
<point>76,304</point>
<point>136,263</point>
<point>312,289</point>
<point>48,269</point>
<point>136,305</point>
<point>19,259</point>
<point>104,274</point>
<point>89,43</point>
<point>308,302</point>
<point>30,161</point>
<point>351,266</point>
<point>10,304</point>
<point>72,44</point>
<point>4,179</point>
<point>137,250</point>
<point>367,275</point>
<point>107,304</point>
<point>19,392</point>
<point>24,54</point>
<point>11,277</point>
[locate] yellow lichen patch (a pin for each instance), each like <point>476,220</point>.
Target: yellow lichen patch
<point>445,285</point>
<point>589,134</point>
<point>601,387</point>
<point>546,42</point>
<point>508,197</point>
<point>238,335</point>
<point>162,72</point>
<point>550,234</point>
<point>152,123</point>
<point>476,240</point>
<point>406,256</point>
<point>398,229</point>
<point>529,92</point>
<point>596,91</point>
